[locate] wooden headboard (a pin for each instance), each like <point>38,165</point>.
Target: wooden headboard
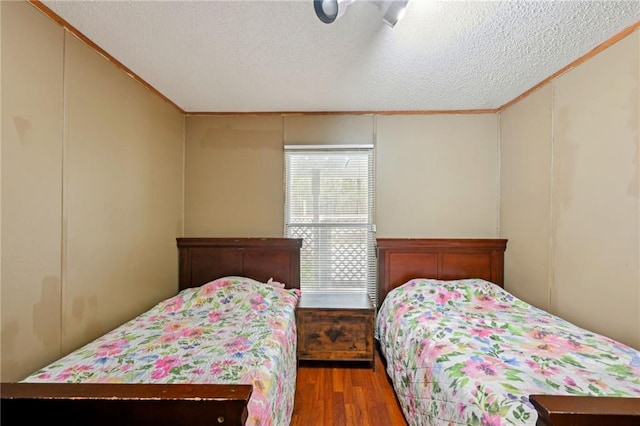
<point>401,259</point>
<point>206,259</point>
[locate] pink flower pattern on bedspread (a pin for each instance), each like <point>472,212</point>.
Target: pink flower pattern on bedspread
<point>230,331</point>
<point>467,352</point>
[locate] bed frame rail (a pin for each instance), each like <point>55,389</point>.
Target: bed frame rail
<point>123,404</point>
<point>565,410</point>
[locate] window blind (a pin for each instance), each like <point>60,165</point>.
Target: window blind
<point>329,202</point>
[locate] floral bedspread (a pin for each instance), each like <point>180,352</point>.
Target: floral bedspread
<point>467,352</point>
<point>233,330</point>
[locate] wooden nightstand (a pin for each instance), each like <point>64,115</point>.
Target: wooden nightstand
<point>335,327</point>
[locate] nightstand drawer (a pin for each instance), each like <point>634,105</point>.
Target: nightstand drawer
<point>340,334</point>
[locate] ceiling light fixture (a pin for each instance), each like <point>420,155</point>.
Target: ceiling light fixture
<point>330,10</point>
<point>392,10</point>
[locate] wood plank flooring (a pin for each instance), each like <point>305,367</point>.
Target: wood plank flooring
<point>345,394</point>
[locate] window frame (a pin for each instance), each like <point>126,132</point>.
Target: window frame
<point>370,281</point>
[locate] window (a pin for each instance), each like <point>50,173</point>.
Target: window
<point>329,202</point>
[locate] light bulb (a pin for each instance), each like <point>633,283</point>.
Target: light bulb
<point>330,8</point>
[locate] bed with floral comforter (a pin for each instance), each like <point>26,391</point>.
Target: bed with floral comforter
<point>467,352</point>
<point>233,330</point>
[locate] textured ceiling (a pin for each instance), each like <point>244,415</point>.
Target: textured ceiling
<point>258,56</point>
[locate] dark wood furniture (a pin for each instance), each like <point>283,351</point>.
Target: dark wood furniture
<point>99,404</point>
<point>201,260</point>
<point>558,410</point>
<point>335,327</point>
<point>401,259</point>
<point>257,258</point>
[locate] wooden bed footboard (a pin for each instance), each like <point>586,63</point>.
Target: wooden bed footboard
<point>564,410</point>
<point>123,404</point>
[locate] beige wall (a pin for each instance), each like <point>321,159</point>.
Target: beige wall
<point>592,166</point>
<point>32,114</point>
<point>329,129</point>
<point>122,196</point>
<point>595,195</point>
<point>234,176</point>
<point>234,185</point>
<point>525,195</point>
<point>91,193</point>
<point>234,171</point>
<point>437,176</point>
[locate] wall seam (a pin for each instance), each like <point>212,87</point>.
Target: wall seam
<point>374,138</point>
<point>551,246</point>
<point>638,177</point>
<point>1,119</point>
<point>499,177</point>
<point>184,173</point>
<point>284,181</point>
<point>63,194</point>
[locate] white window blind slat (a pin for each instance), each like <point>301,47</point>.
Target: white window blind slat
<point>330,204</point>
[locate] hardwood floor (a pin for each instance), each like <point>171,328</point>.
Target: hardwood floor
<point>345,394</point>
